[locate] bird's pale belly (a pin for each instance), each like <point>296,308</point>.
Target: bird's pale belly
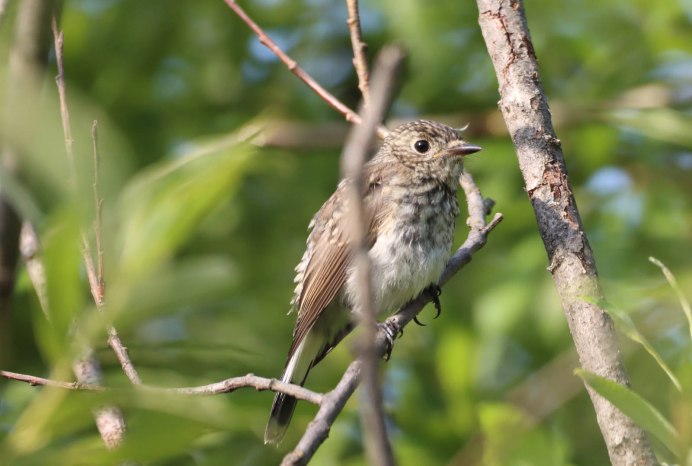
<point>401,270</point>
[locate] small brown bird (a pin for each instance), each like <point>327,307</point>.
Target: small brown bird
<point>411,208</point>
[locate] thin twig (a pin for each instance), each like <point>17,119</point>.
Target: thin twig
<point>352,160</point>
<point>293,67</point>
<point>62,94</point>
<point>96,277</point>
<point>98,203</point>
<point>33,380</point>
<point>225,386</point>
<point>360,61</point>
<point>335,400</point>
<point>109,418</point>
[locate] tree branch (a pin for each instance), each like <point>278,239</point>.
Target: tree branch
<point>526,114</point>
<point>225,386</point>
<point>360,61</point>
<point>109,419</point>
<point>293,67</point>
<point>353,158</point>
<point>95,273</point>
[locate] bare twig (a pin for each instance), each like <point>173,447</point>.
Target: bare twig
<point>293,67</point>
<point>360,61</point>
<point>62,94</point>
<point>109,419</point>
<point>352,160</point>
<point>98,202</point>
<point>33,380</point>
<point>225,386</point>
<point>96,278</point>
<point>335,400</point>
<point>572,265</point>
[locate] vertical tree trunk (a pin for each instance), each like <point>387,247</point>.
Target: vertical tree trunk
<point>571,262</point>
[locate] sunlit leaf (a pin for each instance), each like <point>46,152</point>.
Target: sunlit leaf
<point>161,208</point>
<point>624,323</point>
<point>634,406</point>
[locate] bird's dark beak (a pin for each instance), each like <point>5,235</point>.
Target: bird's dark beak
<point>462,149</point>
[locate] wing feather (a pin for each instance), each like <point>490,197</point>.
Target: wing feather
<point>324,266</point>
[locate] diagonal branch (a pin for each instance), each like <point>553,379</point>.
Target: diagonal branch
<point>525,110</point>
<point>294,68</point>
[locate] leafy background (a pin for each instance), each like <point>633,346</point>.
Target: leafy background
<point>202,230</point>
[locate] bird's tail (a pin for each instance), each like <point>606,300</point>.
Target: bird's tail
<point>296,371</point>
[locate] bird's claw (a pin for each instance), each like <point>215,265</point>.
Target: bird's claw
<point>433,291</point>
<point>391,333</point>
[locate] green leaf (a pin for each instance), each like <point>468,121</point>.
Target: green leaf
<point>63,286</point>
<point>684,303</point>
<point>161,208</point>
<point>624,323</point>
<point>634,406</point>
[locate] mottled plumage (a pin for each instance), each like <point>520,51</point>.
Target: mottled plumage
<point>411,207</point>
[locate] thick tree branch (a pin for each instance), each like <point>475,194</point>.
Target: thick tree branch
<point>525,110</point>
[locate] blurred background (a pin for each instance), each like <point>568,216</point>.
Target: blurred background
<point>202,230</point>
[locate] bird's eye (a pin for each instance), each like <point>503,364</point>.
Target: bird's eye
<point>422,146</point>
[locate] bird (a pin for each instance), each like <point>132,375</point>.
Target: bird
<point>410,204</point>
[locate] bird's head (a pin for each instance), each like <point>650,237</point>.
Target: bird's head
<point>429,148</point>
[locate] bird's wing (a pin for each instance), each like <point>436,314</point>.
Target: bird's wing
<point>323,269</point>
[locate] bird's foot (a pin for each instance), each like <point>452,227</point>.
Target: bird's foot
<point>433,291</point>
<point>391,333</point>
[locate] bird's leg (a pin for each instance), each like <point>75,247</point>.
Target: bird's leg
<point>433,291</point>
<point>391,333</point>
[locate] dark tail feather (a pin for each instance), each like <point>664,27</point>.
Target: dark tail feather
<point>280,417</point>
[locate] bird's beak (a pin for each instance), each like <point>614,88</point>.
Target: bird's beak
<point>461,148</point>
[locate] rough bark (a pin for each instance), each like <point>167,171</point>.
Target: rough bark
<point>525,110</point>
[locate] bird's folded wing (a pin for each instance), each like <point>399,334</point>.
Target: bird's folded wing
<point>329,253</point>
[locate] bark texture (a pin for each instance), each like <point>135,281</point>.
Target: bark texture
<point>571,262</point>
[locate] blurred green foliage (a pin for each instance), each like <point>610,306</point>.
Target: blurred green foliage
<point>202,231</point>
